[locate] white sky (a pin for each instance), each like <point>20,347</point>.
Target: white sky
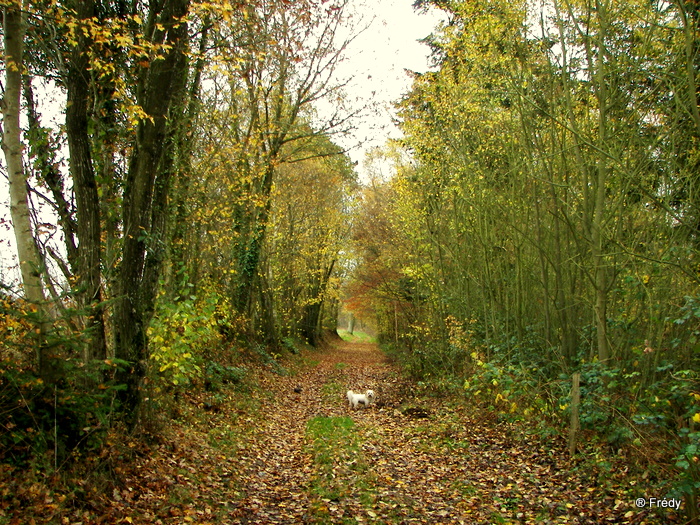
<point>378,59</point>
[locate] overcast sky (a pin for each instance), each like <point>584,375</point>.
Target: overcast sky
<point>378,59</point>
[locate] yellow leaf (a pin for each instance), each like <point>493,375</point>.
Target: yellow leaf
<point>696,417</point>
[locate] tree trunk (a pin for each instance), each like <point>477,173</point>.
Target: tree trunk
<point>599,259</point>
<point>689,17</point>
<point>249,255</point>
<point>312,311</point>
<point>148,180</point>
<point>30,261</point>
<point>46,164</point>
<point>86,197</point>
<point>179,251</point>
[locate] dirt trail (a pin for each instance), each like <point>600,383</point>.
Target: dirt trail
<point>272,455</point>
<point>276,469</point>
<point>424,461</point>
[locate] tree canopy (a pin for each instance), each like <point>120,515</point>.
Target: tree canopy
<point>193,190</point>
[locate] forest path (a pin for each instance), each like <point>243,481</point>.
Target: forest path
<point>271,455</point>
<point>409,458</point>
<point>278,463</point>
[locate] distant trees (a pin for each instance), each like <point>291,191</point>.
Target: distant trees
<point>547,172</point>
<point>310,229</point>
<point>273,62</point>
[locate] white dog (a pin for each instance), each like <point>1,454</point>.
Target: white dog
<point>357,399</point>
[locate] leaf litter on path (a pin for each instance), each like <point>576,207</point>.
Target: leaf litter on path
<point>409,458</point>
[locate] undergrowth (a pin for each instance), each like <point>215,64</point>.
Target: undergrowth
<point>649,430</point>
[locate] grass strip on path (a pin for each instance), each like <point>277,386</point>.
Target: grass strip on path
<point>342,483</point>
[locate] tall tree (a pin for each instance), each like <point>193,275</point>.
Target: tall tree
<point>308,227</point>
<point>30,261</point>
<point>270,63</point>
<point>88,220</point>
<point>285,65</point>
<point>160,90</point>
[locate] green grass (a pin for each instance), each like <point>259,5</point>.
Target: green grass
<point>296,363</point>
<point>332,391</point>
<point>340,470</point>
<point>356,337</point>
<point>465,488</point>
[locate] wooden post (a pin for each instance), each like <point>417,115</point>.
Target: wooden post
<point>396,326</point>
<point>575,403</point>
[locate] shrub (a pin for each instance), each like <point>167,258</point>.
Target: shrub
<point>180,332</point>
<point>57,421</point>
<point>218,375</point>
<point>64,419</point>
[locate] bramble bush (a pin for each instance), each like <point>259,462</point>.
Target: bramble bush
<point>642,396</point>
<point>218,375</point>
<point>514,391</point>
<point>625,403</point>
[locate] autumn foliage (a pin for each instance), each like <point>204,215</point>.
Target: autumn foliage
<point>185,217</point>
<point>189,223</point>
